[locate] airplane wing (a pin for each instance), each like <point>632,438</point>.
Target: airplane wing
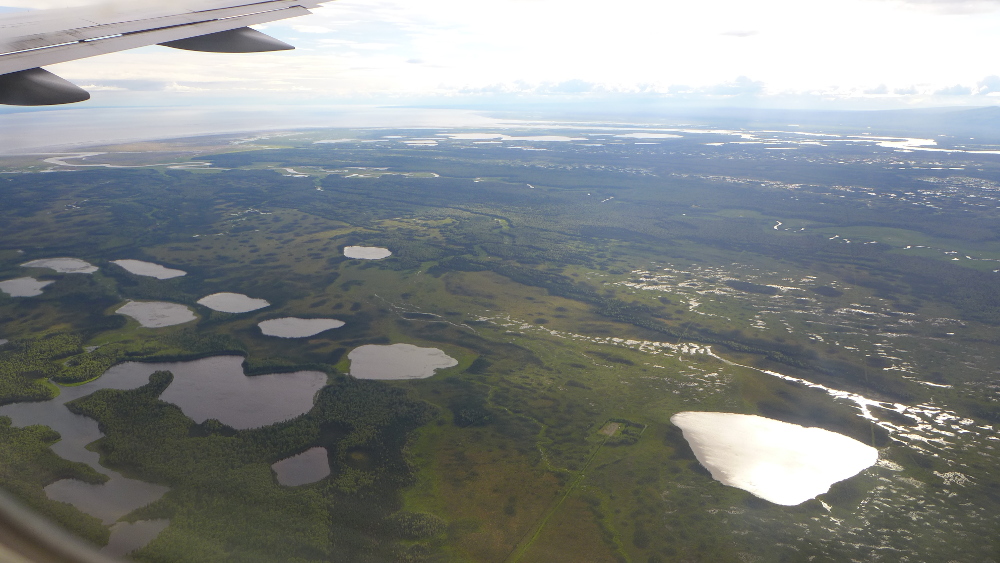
<point>29,41</point>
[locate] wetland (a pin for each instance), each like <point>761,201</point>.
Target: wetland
<point>513,366</point>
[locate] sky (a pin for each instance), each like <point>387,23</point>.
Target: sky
<point>812,54</point>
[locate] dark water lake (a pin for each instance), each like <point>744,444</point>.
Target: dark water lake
<point>207,388</point>
<point>307,467</point>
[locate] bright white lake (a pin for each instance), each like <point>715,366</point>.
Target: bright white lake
<point>784,463</point>
<point>307,467</point>
<point>397,361</point>
<point>63,265</point>
<point>367,252</point>
<point>23,287</point>
<point>140,268</point>
<point>292,327</point>
<point>232,303</point>
<point>157,314</point>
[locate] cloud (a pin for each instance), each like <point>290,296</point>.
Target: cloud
<point>102,88</point>
<point>988,85</point>
<point>132,85</point>
<point>742,86</point>
<point>908,91</point>
<point>953,7</point>
<point>740,33</point>
<point>361,45</point>
<point>312,29</point>
<point>878,90</point>
<point>956,90</point>
<point>575,86</point>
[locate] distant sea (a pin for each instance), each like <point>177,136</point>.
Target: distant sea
<point>32,130</point>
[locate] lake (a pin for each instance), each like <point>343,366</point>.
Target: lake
<point>397,361</point>
<point>127,537</point>
<point>307,467</point>
<point>149,269</point>
<point>784,463</point>
<point>157,314</point>
<point>366,252</point>
<point>108,501</point>
<point>217,388</point>
<point>23,287</point>
<point>232,303</point>
<point>292,327</point>
<point>212,387</point>
<point>63,265</point>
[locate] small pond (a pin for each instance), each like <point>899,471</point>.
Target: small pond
<point>157,314</point>
<point>784,463</point>
<point>63,265</point>
<point>292,327</point>
<point>23,287</point>
<point>307,467</point>
<point>149,269</point>
<point>397,361</point>
<point>367,252</point>
<point>232,303</point>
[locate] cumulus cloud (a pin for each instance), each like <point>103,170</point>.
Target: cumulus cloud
<point>878,90</point>
<point>740,33</point>
<point>988,85</point>
<point>956,90</point>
